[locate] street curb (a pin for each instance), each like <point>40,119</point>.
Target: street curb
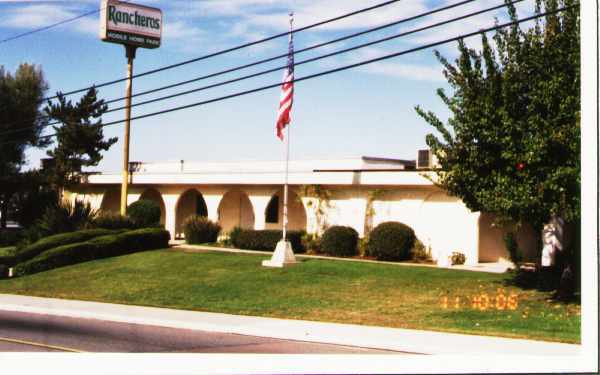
<point>396,339</point>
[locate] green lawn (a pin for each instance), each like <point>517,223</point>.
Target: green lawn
<point>324,290</point>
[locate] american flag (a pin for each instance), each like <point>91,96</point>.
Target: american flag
<point>287,90</point>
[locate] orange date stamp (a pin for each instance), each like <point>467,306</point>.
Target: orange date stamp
<point>482,301</point>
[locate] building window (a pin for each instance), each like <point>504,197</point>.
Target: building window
<point>272,211</point>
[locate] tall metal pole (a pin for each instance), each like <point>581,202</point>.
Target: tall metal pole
<point>130,54</point>
<point>287,160</point>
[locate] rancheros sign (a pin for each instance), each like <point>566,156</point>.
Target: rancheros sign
<point>130,24</point>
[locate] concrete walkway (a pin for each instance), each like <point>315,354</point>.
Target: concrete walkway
<point>497,267</point>
<point>404,340</point>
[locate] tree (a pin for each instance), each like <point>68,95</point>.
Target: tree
<point>511,145</point>
<point>20,126</point>
<point>79,139</point>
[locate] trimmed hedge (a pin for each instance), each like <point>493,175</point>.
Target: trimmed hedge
<point>144,213</point>
<point>265,239</point>
<point>109,220</point>
<point>391,241</point>
<point>199,229</point>
<point>47,243</point>
<point>97,248</point>
<point>340,241</point>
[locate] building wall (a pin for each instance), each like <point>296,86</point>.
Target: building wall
<point>440,221</point>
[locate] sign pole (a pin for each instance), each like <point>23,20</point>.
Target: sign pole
<point>130,54</point>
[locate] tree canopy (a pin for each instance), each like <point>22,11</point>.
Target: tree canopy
<point>79,138</point>
<point>511,145</point>
<point>20,125</point>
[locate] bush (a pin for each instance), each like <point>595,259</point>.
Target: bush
<point>31,205</point>
<point>311,243</point>
<point>420,252</point>
<point>457,258</point>
<point>97,248</point>
<point>340,241</point>
<point>7,255</point>
<point>57,240</point>
<point>198,229</point>
<point>61,218</point>
<point>510,241</point>
<point>109,220</point>
<point>144,213</point>
<point>391,241</point>
<point>265,239</point>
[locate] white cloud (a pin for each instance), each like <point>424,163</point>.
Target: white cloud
<point>35,16</point>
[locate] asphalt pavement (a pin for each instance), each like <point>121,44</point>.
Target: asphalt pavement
<point>28,332</point>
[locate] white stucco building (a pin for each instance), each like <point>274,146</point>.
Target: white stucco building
<point>249,194</point>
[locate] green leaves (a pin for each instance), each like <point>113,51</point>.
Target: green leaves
<point>511,145</point>
<point>79,138</point>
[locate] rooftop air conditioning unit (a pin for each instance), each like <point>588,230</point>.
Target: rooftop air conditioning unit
<point>426,160</point>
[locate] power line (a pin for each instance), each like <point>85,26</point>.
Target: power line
<point>319,45</point>
<point>228,50</point>
<point>302,62</point>
<point>53,25</point>
<point>336,70</point>
<point>295,52</point>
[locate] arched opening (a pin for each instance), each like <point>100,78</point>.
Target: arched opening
<point>235,210</point>
<point>296,212</point>
<point>155,196</point>
<point>111,201</point>
<point>190,203</point>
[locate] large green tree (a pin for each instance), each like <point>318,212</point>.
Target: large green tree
<point>20,126</point>
<point>79,137</point>
<point>511,145</point>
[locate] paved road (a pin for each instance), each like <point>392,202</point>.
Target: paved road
<point>25,332</point>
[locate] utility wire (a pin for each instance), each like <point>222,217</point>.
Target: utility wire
<point>339,69</point>
<point>295,52</point>
<point>313,59</point>
<point>53,25</point>
<point>228,50</point>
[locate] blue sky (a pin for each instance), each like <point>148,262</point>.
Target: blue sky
<point>364,111</point>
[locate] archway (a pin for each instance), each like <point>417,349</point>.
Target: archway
<point>154,195</point>
<point>190,203</point>
<point>296,212</point>
<point>111,201</point>
<point>235,210</point>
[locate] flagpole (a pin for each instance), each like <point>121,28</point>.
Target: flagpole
<point>287,161</point>
<point>283,255</point>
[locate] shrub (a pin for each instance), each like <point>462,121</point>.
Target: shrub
<point>97,248</point>
<point>420,252</point>
<point>109,220</point>
<point>7,255</point>
<point>144,213</point>
<point>265,239</point>
<point>32,204</point>
<point>340,241</point>
<point>61,218</point>
<point>510,241</point>
<point>234,236</point>
<point>47,243</point>
<point>391,241</point>
<point>457,258</point>
<point>198,229</point>
<point>311,243</point>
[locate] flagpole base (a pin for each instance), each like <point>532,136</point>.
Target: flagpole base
<point>283,256</point>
